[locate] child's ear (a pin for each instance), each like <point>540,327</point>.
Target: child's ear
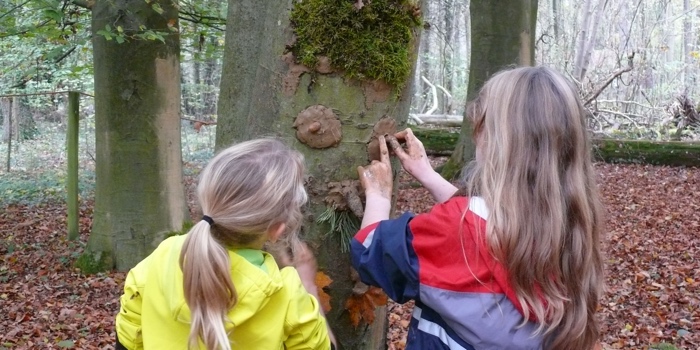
<point>276,231</point>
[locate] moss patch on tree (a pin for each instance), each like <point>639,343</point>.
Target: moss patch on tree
<point>368,40</point>
<point>91,263</point>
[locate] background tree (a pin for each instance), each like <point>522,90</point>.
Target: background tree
<point>502,35</point>
<point>139,196</point>
<point>326,76</point>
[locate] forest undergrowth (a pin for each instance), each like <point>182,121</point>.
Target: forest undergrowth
<point>652,244</point>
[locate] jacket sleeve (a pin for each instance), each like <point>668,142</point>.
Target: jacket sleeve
<point>305,327</point>
<point>128,323</point>
<point>383,255</point>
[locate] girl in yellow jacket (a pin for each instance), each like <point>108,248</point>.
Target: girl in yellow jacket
<point>215,288</point>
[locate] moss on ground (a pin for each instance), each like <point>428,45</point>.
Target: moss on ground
<point>369,42</point>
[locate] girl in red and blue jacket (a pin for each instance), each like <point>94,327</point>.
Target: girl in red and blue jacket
<point>515,262</point>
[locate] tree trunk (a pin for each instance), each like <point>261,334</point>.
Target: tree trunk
<point>502,35</point>
<point>582,40</point>
<point>6,110</point>
<point>139,196</point>
<point>555,20</point>
<point>263,90</point>
<point>209,76</point>
<point>591,40</point>
<point>448,56</point>
<point>688,35</point>
<point>16,117</point>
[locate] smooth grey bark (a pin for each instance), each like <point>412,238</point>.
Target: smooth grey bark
<point>6,110</point>
<point>139,195</point>
<point>261,94</point>
<point>502,35</point>
<point>582,39</point>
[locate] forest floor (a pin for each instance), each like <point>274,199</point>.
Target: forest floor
<point>652,254</point>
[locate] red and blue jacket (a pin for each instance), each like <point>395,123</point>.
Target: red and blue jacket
<point>440,259</point>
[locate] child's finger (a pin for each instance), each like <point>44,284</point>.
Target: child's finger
<point>383,150</point>
<point>360,172</point>
<point>410,138</point>
<point>396,147</point>
<point>401,135</point>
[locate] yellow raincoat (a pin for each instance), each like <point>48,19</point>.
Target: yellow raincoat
<point>274,311</point>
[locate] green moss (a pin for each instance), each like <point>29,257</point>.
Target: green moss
<point>91,263</point>
<point>372,43</point>
<point>186,226</point>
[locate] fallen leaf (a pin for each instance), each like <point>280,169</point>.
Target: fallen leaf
<point>323,281</point>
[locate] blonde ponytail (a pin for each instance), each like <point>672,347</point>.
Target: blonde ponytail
<point>208,287</point>
<point>244,191</point>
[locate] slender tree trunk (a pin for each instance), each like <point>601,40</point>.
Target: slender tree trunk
<point>16,117</point>
<point>6,109</point>
<point>591,40</point>
<point>586,14</point>
<point>208,93</point>
<point>263,91</point>
<point>448,54</point>
<point>139,196</point>
<point>688,36</point>
<point>555,20</point>
<point>502,36</point>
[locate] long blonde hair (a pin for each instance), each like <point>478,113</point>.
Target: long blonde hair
<point>246,190</point>
<point>535,173</point>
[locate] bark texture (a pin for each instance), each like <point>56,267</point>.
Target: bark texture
<point>503,35</point>
<point>139,196</point>
<point>263,90</point>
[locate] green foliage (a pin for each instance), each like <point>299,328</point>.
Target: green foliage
<point>369,43</point>
<point>38,166</point>
<point>43,186</point>
<point>663,346</point>
<point>44,45</point>
<point>342,223</point>
<point>143,33</point>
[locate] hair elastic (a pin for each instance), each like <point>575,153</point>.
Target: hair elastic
<point>208,219</point>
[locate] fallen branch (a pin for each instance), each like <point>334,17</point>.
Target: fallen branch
<point>434,93</point>
<point>447,120</point>
<point>673,153</point>
<point>630,66</point>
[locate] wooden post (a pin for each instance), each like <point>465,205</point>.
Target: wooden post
<point>9,133</point>
<point>72,150</point>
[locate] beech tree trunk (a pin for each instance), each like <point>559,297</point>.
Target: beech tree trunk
<point>503,35</point>
<point>139,195</point>
<point>263,91</point>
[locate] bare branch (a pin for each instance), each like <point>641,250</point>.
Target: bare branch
<point>14,8</point>
<point>66,54</point>
<point>47,93</point>
<point>435,98</point>
<point>86,4</point>
<point>630,66</point>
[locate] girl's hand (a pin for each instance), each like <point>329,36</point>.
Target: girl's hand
<point>413,159</point>
<point>305,263</point>
<point>416,162</point>
<point>377,178</point>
